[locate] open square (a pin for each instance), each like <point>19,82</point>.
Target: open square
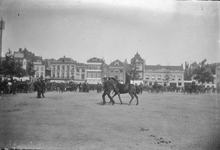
<point>74,120</point>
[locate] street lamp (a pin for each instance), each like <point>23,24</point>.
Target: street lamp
<point>2,26</point>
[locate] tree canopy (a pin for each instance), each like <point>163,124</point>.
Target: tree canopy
<point>203,74</point>
<point>10,68</point>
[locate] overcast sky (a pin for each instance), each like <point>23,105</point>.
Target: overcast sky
<point>162,32</point>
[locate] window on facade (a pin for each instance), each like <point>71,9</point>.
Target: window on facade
<point>121,77</point>
<point>150,83</point>
<point>83,70</point>
<point>41,74</point>
<point>94,75</point>
<point>121,70</point>
<point>173,78</point>
<point>158,77</point>
<point>112,71</point>
<point>116,71</point>
<point>89,75</point>
<point>77,70</point>
<point>58,67</point>
<point>179,78</point>
<point>63,67</point>
<point>153,77</point>
<point>98,75</point>
<point>37,68</point>
<point>82,76</point>
<point>179,84</point>
<point>147,77</point>
<point>116,63</point>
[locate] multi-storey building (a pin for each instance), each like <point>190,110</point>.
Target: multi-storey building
<point>81,72</point>
<point>39,68</point>
<point>139,64</point>
<point>117,70</point>
<point>164,75</point>
<point>94,70</point>
<point>63,69</point>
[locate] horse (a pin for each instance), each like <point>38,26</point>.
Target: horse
<point>123,89</point>
<point>107,89</point>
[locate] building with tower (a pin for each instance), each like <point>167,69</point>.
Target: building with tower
<point>139,64</point>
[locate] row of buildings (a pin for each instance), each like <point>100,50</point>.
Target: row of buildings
<point>66,69</point>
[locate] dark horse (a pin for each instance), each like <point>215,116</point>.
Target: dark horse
<point>107,88</point>
<point>119,88</point>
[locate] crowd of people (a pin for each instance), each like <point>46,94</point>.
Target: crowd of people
<point>13,86</point>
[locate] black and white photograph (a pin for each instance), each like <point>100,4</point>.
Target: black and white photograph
<point>109,74</point>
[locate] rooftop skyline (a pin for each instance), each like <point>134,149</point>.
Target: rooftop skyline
<point>166,33</point>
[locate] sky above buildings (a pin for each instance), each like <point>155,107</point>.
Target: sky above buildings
<point>162,32</point>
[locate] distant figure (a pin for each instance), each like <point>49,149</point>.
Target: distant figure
<point>141,88</point>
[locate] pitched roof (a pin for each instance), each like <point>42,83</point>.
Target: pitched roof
<point>94,59</point>
<point>137,56</point>
<point>195,65</point>
<point>81,65</point>
<point>159,67</point>
<point>66,59</point>
<point>116,63</point>
<point>60,62</point>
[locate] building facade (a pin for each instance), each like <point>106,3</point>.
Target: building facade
<point>63,69</point>
<point>117,70</point>
<point>39,68</point>
<point>164,75</point>
<point>94,70</point>
<point>139,63</point>
<point>81,72</point>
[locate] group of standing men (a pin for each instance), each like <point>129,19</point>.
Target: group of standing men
<point>40,86</point>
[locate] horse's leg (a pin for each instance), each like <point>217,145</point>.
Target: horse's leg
<point>119,97</point>
<point>112,101</point>
<point>136,98</point>
<point>131,98</point>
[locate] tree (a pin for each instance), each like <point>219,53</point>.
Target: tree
<point>10,68</point>
<point>30,69</point>
<point>167,76</point>
<point>201,74</point>
<point>132,71</point>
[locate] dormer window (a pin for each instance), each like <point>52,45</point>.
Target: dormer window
<point>116,63</point>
